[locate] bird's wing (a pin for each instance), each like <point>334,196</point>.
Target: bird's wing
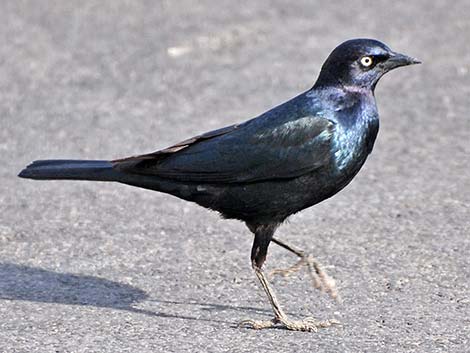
<point>248,152</point>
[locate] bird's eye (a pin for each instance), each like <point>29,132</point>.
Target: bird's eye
<point>366,61</point>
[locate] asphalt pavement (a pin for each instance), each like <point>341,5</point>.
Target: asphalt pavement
<point>98,267</point>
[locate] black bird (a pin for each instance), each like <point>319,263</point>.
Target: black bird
<point>265,169</point>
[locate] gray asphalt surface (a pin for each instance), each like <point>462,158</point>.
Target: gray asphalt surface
<point>94,267</point>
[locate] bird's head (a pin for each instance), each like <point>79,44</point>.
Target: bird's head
<point>360,63</point>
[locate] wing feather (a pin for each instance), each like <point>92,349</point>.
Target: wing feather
<point>248,152</point>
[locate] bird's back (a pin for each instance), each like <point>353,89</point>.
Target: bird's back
<point>267,168</point>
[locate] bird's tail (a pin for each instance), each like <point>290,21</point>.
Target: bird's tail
<point>56,169</point>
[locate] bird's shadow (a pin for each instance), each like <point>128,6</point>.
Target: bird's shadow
<point>20,282</point>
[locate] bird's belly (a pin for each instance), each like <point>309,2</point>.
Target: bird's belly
<point>275,200</point>
<point>268,201</point>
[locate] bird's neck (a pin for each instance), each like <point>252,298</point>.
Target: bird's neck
<point>352,89</point>
<point>328,80</point>
<point>345,102</point>
<point>355,113</point>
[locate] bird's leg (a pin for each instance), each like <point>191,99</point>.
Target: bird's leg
<point>281,320</point>
<point>320,279</point>
<point>258,255</point>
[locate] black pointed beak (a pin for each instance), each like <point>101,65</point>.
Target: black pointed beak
<point>397,60</point>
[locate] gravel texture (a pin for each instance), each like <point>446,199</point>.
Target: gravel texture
<point>96,267</point>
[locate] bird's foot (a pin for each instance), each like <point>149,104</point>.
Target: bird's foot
<point>309,324</point>
<point>320,279</point>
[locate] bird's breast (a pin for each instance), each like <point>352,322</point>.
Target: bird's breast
<point>354,140</point>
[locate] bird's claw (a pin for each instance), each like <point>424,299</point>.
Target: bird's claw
<point>320,279</point>
<point>286,272</point>
<point>257,324</point>
<point>309,324</point>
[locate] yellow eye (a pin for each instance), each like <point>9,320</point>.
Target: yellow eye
<point>366,61</point>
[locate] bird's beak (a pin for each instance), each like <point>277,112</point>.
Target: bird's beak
<point>397,60</point>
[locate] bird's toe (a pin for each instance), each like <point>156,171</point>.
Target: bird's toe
<point>257,324</point>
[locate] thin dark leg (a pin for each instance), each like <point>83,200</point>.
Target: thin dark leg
<point>263,236</point>
<point>288,247</point>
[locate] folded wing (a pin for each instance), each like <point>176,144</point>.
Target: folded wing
<point>253,151</point>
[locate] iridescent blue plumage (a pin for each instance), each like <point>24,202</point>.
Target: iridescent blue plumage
<point>267,168</point>
<point>263,170</point>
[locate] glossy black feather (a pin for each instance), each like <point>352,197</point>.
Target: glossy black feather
<point>286,142</point>
<point>267,168</point>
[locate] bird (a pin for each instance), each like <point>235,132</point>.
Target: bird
<point>263,170</point>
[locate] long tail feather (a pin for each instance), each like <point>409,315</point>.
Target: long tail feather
<point>70,169</point>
